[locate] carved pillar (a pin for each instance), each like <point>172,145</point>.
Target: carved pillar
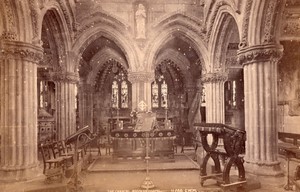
<point>86,105</point>
<point>18,108</point>
<point>141,88</point>
<point>65,84</point>
<point>260,86</point>
<point>214,90</point>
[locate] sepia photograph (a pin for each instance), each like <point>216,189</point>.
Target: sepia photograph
<point>149,95</point>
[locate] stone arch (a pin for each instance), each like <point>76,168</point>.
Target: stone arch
<point>219,41</point>
<point>65,14</point>
<point>54,22</point>
<point>110,28</point>
<point>265,22</point>
<point>175,25</point>
<point>60,18</point>
<point>224,6</point>
<point>99,59</point>
<point>15,18</point>
<point>178,59</point>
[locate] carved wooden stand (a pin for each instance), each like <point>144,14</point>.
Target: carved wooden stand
<point>80,139</point>
<point>234,142</point>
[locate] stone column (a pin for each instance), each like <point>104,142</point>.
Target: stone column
<point>194,115</point>
<point>18,110</point>
<point>214,90</point>
<point>141,88</point>
<point>86,105</point>
<point>65,83</point>
<point>260,87</point>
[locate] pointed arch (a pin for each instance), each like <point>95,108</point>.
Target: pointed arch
<point>110,28</point>
<point>99,59</point>
<point>220,39</point>
<point>181,26</point>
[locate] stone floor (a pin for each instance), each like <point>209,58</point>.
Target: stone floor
<point>174,180</point>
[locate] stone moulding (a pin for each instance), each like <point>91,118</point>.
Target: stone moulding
<point>20,50</point>
<point>66,77</point>
<point>214,77</point>
<point>259,53</point>
<point>135,77</point>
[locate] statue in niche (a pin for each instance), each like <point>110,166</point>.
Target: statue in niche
<point>140,19</point>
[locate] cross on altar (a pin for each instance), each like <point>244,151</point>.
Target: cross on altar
<point>142,106</point>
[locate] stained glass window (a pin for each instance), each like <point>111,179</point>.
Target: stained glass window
<point>164,95</point>
<point>115,94</point>
<point>124,94</point>
<point>155,103</point>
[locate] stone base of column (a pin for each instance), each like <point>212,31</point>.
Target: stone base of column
<point>264,169</point>
<point>14,174</point>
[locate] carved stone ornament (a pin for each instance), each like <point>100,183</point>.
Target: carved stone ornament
<point>244,40</point>
<point>20,50</point>
<point>9,36</point>
<point>67,77</point>
<point>259,53</point>
<point>214,77</point>
<point>292,27</point>
<point>270,19</point>
<point>34,17</point>
<point>135,77</point>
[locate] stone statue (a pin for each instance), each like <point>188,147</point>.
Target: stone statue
<point>140,18</point>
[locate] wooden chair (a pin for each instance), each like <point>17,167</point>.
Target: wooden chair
<point>59,150</point>
<point>54,167</point>
<point>68,150</point>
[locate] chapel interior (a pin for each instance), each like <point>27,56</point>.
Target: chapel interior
<point>162,95</point>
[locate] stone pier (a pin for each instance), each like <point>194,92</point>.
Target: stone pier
<point>260,86</point>
<point>18,108</point>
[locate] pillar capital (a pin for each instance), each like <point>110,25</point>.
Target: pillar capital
<point>68,77</point>
<point>259,53</point>
<point>214,77</point>
<point>141,76</point>
<point>20,50</point>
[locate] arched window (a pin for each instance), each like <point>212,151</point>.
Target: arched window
<point>115,95</point>
<point>164,95</point>
<point>120,94</point>
<point>159,94</point>
<point>155,102</point>
<point>124,94</point>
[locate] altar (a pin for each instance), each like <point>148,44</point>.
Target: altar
<point>131,143</point>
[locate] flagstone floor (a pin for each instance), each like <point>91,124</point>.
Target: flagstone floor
<point>167,179</point>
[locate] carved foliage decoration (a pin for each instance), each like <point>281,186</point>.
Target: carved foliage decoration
<point>34,17</point>
<point>270,18</point>
<point>213,17</point>
<point>20,50</point>
<point>259,53</point>
<point>9,32</point>
<point>9,15</point>
<point>65,77</point>
<point>214,77</point>
<point>9,35</point>
<point>135,77</point>
<point>244,39</point>
<point>291,24</point>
